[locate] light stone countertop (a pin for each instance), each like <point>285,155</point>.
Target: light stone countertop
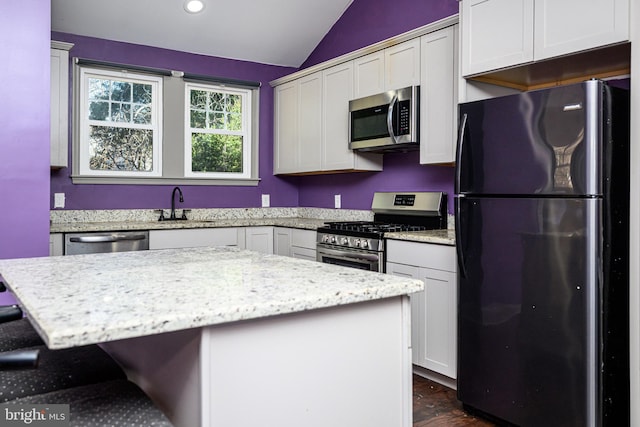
<point>85,221</point>
<point>441,237</point>
<point>80,227</point>
<point>85,299</point>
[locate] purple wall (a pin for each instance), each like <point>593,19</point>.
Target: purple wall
<point>369,21</point>
<point>283,191</point>
<point>24,128</point>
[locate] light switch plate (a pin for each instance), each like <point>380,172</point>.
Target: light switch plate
<point>58,200</point>
<point>266,200</point>
<point>337,201</point>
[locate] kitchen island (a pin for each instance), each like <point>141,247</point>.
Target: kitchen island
<point>226,337</point>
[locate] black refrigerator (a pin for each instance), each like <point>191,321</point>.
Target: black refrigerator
<point>542,222</point>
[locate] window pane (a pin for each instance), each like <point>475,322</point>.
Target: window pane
<point>216,121</point>
<point>142,93</point>
<point>120,149</point>
<point>99,89</point>
<point>98,110</point>
<point>217,101</point>
<point>141,114</point>
<point>234,122</point>
<point>198,119</point>
<point>199,99</point>
<point>120,112</point>
<point>120,91</point>
<point>216,153</point>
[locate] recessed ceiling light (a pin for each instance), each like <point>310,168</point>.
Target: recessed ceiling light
<point>193,6</point>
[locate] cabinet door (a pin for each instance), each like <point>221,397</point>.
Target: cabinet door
<point>568,26</point>
<point>285,143</point>
<point>338,90</point>
<point>368,75</point>
<point>59,107</point>
<point>282,241</point>
<point>259,239</point>
<point>440,322</point>
<point>402,65</point>
<point>310,123</point>
<point>438,97</point>
<point>56,244</point>
<point>495,34</point>
<point>418,320</point>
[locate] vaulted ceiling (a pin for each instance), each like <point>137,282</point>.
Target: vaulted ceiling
<point>278,32</point>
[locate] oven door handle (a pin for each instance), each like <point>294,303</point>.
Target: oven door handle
<point>353,255</point>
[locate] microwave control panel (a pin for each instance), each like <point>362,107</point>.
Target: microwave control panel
<point>404,118</point>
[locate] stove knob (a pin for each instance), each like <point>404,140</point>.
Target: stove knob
<point>365,244</point>
<point>344,241</point>
<point>357,243</point>
<point>332,240</point>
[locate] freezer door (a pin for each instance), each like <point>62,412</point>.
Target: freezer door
<point>539,142</point>
<point>528,309</point>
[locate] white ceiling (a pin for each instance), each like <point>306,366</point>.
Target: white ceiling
<point>278,32</point>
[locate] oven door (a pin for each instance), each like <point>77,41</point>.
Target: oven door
<point>364,260</point>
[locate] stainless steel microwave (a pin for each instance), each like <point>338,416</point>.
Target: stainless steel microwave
<point>386,121</point>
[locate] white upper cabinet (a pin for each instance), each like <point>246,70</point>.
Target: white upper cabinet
<point>565,26</point>
<point>59,103</point>
<point>286,128</point>
<point>504,33</point>
<point>368,74</point>
<point>495,34</point>
<point>438,96</point>
<point>310,123</point>
<point>395,67</point>
<point>336,155</point>
<point>402,65</point>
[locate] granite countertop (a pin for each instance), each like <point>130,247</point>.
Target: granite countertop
<point>80,227</point>
<point>441,237</point>
<point>85,299</point>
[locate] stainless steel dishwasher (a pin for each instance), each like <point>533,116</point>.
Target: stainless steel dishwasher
<point>100,242</point>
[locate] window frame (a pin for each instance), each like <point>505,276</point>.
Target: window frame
<point>156,82</point>
<point>172,152</point>
<point>246,131</point>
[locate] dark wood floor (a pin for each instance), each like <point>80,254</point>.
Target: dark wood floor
<point>435,405</point>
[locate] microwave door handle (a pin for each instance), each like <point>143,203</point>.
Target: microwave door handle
<point>392,105</point>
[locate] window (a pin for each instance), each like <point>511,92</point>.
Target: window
<point>120,133</point>
<point>135,125</point>
<point>218,132</point>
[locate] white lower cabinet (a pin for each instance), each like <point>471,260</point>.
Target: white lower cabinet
<point>303,244</point>
<point>282,241</point>
<point>259,239</point>
<point>56,244</point>
<point>434,310</point>
<point>295,243</point>
<point>195,237</point>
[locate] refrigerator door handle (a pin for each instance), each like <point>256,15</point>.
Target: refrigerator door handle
<point>462,128</point>
<point>458,230</point>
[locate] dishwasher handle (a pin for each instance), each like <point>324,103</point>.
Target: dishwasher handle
<point>110,238</point>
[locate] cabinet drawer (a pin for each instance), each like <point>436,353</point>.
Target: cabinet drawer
<point>438,257</point>
<point>303,238</point>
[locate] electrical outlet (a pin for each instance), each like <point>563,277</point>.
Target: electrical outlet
<point>58,200</point>
<point>266,200</point>
<point>337,201</point>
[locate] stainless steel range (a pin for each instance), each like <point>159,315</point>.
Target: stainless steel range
<point>360,244</point>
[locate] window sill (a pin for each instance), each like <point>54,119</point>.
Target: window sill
<point>248,182</point>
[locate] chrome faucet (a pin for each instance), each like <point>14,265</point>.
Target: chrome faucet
<point>173,202</point>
